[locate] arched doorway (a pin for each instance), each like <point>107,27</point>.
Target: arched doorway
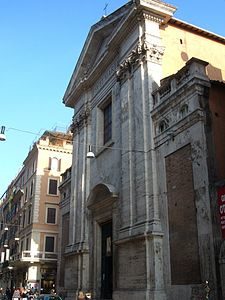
<point>102,207</point>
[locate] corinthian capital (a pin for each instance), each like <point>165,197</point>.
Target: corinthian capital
<point>80,120</point>
<point>134,58</point>
<point>155,53</point>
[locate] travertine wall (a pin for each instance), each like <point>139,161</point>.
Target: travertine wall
<point>126,182</point>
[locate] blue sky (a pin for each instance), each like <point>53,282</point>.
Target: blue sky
<point>40,43</point>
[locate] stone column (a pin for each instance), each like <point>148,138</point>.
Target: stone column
<point>151,75</point>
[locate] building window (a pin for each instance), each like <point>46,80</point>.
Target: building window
<point>49,244</point>
<point>27,243</point>
<point>23,219</point>
<point>21,246</point>
<point>184,111</point>
<point>163,125</point>
<point>25,198</point>
<point>51,215</point>
<point>53,187</point>
<point>107,112</point>
<point>104,125</point>
<point>29,216</point>
<point>33,166</point>
<point>54,164</point>
<point>31,188</point>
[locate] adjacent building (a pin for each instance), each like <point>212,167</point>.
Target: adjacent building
<point>64,217</point>
<point>30,214</point>
<point>144,218</point>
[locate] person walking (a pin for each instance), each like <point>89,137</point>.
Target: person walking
<point>16,294</point>
<point>8,294</point>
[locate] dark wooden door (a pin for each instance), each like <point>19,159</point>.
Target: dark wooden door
<point>106,266</point>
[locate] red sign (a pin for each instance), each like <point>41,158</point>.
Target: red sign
<point>221,203</point>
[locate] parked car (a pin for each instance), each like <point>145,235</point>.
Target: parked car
<point>48,297</point>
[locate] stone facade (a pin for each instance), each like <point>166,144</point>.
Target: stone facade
<point>127,223</point>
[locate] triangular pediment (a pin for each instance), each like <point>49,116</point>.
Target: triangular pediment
<point>96,45</point>
<point>105,38</point>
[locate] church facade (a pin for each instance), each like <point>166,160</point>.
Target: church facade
<point>144,218</point>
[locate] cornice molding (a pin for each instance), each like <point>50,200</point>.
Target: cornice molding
<point>151,17</point>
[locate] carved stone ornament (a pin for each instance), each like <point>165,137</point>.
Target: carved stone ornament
<point>80,120</point>
<point>156,53</point>
<point>135,57</point>
<point>142,52</point>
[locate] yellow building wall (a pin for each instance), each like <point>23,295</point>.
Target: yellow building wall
<point>181,45</point>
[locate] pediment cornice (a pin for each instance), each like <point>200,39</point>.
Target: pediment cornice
<point>104,40</point>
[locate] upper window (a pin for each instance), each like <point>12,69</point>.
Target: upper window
<point>54,164</point>
<point>21,246</point>
<point>104,124</point>
<point>29,216</point>
<point>51,215</point>
<point>31,188</point>
<point>24,216</point>
<point>33,166</point>
<point>25,197</point>
<point>53,187</point>
<point>163,125</point>
<point>27,243</point>
<point>184,110</point>
<point>49,244</point>
<point>107,111</point>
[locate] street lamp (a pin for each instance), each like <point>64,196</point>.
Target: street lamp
<point>90,154</point>
<point>2,134</point>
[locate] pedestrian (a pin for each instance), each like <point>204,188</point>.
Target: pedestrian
<point>8,294</point>
<point>81,295</point>
<point>16,294</point>
<point>23,294</point>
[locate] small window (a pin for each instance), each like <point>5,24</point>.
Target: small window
<point>51,215</point>
<point>107,111</point>
<point>27,243</point>
<point>53,187</point>
<point>21,246</point>
<point>54,164</point>
<point>33,166</point>
<point>23,219</point>
<point>31,188</point>
<point>184,111</point>
<point>25,198</point>
<point>29,216</point>
<point>163,126</point>
<point>49,243</point>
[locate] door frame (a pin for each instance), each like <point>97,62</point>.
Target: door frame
<point>106,260</point>
<point>101,204</point>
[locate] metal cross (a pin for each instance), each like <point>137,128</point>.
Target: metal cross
<point>105,8</point>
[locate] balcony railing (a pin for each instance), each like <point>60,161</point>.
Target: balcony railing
<point>34,256</point>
